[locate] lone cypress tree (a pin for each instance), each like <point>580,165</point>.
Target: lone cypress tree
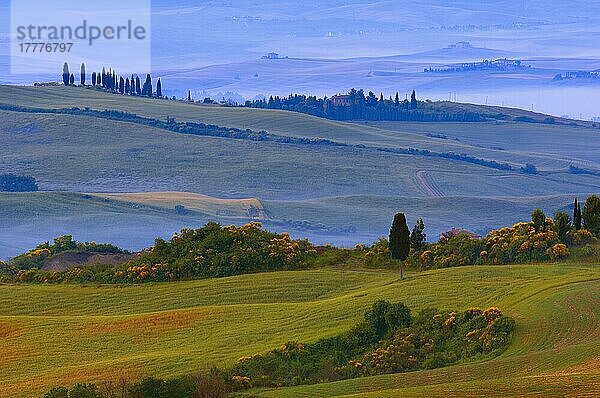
<point>159,88</point>
<point>66,74</point>
<point>399,244</point>
<point>189,98</point>
<point>576,215</point>
<point>82,74</point>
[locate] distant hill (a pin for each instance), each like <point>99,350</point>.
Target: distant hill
<point>342,192</point>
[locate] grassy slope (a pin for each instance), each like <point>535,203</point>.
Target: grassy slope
<point>300,125</point>
<point>166,329</point>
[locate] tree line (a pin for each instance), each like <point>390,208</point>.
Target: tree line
<point>360,106</point>
<point>109,80</point>
<point>17,183</point>
<point>541,239</point>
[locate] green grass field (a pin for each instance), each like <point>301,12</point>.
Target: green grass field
<point>68,333</point>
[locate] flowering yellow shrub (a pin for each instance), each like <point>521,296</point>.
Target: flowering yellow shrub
<point>292,347</point>
<point>39,253</point>
<point>558,251</point>
<point>241,382</point>
<point>521,243</point>
<point>582,237</point>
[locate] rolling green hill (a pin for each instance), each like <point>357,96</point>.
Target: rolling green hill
<point>103,332</point>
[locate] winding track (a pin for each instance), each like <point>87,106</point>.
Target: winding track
<point>428,183</point>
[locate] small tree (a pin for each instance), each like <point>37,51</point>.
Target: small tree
<point>576,215</point>
<point>82,74</point>
<point>84,391</point>
<point>418,236</point>
<point>539,220</point>
<point>72,79</point>
<point>57,392</point>
<point>93,78</point>
<point>562,224</point>
<point>399,240</point>
<point>591,215</point>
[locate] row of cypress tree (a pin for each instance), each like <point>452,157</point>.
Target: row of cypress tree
<point>110,80</point>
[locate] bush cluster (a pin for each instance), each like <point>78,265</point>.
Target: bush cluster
<point>208,252</point>
<point>37,257</point>
<point>388,340</point>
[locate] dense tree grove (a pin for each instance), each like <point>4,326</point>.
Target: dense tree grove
<point>358,106</point>
<point>16,183</point>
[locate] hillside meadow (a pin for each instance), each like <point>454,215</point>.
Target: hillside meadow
<point>94,333</point>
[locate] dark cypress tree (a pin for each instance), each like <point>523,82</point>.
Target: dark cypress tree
<point>397,99</point>
<point>138,87</point>
<point>82,74</point>
<point>189,98</point>
<point>127,87</point>
<point>103,81</point>
<point>399,243</point>
<point>562,225</point>
<point>418,236</point>
<point>93,78</point>
<point>413,100</point>
<point>72,79</point>
<point>591,215</point>
<point>66,74</point>
<point>147,89</point>
<point>576,216</point>
<point>159,88</point>
<point>121,85</point>
<point>539,220</point>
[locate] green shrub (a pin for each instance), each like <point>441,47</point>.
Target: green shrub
<point>57,392</point>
